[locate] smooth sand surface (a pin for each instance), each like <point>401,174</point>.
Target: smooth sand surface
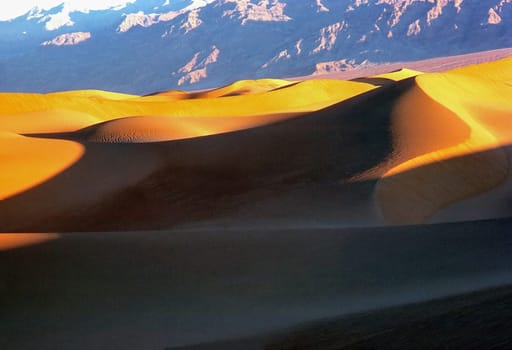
<point>163,288</point>
<point>187,217</point>
<point>478,320</point>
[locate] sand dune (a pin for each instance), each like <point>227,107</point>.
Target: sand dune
<point>251,207</point>
<point>407,149</point>
<point>466,109</point>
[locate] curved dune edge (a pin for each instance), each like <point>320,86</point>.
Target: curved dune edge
<point>19,240</point>
<point>27,162</point>
<point>418,187</point>
<point>164,128</point>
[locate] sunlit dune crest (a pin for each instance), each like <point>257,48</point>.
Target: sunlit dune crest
<point>454,150</point>
<point>314,95</point>
<point>18,240</point>
<point>400,74</point>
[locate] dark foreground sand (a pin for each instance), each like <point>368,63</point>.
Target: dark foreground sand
<point>479,320</point>
<point>163,289</point>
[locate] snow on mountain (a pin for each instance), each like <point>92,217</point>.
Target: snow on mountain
<point>36,8</point>
<point>141,19</point>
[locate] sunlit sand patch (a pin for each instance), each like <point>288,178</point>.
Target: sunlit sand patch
<point>27,162</point>
<point>52,121</point>
<point>400,74</point>
<point>18,240</point>
<point>94,94</point>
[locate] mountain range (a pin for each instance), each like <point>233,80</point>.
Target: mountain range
<point>150,45</point>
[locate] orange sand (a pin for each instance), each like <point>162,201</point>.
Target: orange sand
<point>27,162</point>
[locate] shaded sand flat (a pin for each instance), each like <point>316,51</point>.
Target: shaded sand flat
<point>478,320</point>
<point>171,288</point>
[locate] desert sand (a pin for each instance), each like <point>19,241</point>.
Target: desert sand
<point>181,218</point>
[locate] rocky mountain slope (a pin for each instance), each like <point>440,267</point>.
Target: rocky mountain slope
<point>142,46</point>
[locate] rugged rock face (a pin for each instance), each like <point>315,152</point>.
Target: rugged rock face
<point>68,39</point>
<point>195,70</point>
<point>154,42</point>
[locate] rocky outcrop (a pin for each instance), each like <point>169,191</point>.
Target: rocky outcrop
<point>328,36</point>
<point>263,11</point>
<point>192,22</point>
<point>68,39</point>
<point>338,66</point>
<point>140,19</point>
<point>195,70</point>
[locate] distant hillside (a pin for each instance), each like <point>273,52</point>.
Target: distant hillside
<point>153,45</point>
